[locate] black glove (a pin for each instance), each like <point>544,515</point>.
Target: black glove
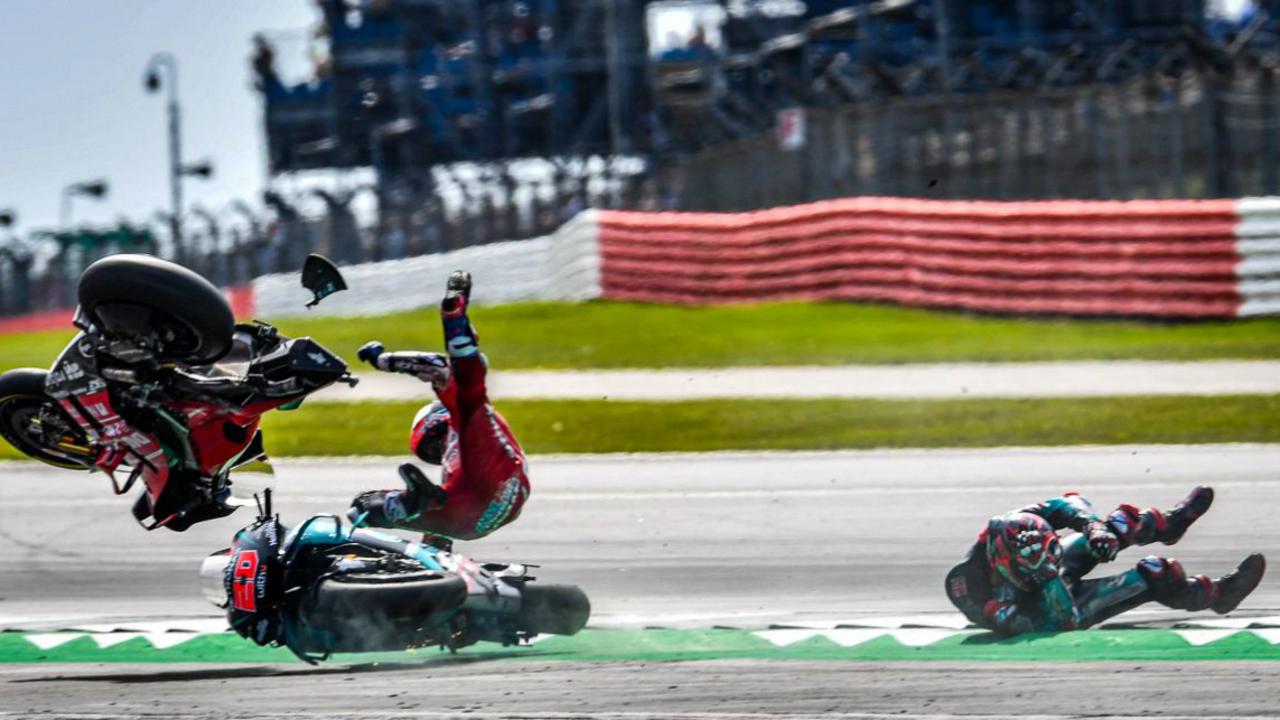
<point>1103,544</point>
<point>370,351</point>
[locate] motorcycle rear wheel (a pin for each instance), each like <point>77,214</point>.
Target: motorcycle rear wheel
<point>553,609</point>
<point>23,408</point>
<point>373,612</point>
<point>158,304</point>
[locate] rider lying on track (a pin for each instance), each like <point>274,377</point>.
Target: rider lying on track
<point>1021,577</point>
<point>484,482</point>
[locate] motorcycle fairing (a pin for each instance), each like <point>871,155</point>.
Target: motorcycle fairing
<point>492,590</point>
<point>75,384</point>
<point>198,421</point>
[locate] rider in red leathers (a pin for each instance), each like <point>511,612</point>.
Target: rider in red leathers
<point>484,482</point>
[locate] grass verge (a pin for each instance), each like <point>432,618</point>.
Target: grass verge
<point>616,335</point>
<point>560,426</point>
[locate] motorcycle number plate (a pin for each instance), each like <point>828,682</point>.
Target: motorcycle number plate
<point>244,582</point>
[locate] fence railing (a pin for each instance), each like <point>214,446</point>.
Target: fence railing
<point>1194,136</point>
<point>40,274</point>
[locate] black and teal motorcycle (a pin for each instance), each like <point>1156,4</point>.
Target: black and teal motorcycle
<point>324,587</point>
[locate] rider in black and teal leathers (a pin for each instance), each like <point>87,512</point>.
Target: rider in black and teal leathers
<point>1021,576</point>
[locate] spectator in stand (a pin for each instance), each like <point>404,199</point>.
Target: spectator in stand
<point>264,65</point>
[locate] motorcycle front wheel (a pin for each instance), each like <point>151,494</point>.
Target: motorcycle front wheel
<point>36,425</point>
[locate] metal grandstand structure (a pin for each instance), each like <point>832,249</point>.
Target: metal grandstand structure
<point>415,83</point>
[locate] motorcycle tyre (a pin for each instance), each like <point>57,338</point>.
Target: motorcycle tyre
<point>389,608</point>
<point>21,388</point>
<point>118,290</point>
<point>553,609</point>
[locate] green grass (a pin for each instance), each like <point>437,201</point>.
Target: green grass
<point>591,426</point>
<point>32,349</point>
<point>614,335</point>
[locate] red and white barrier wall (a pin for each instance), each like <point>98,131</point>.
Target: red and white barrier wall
<point>1154,258</point>
<point>1258,250</point>
<point>1176,259</point>
<point>1151,258</point>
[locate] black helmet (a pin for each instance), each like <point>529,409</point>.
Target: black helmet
<point>253,580</point>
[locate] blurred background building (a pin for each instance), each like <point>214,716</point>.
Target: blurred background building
<point>439,124</point>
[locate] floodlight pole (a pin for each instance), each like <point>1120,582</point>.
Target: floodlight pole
<point>615,75</point>
<point>92,188</point>
<point>169,63</point>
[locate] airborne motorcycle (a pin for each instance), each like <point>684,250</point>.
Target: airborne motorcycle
<point>324,588</point>
<point>161,385</point>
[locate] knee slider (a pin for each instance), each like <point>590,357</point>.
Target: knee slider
<point>1124,522</point>
<point>1154,524</point>
<point>1164,575</point>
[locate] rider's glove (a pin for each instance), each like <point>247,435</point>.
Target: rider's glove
<point>370,351</point>
<point>1103,544</point>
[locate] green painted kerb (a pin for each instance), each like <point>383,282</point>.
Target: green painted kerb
<point>675,645</point>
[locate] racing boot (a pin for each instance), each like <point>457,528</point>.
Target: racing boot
<point>460,337</point>
<point>397,508</point>
<point>1172,588</point>
<point>426,494</point>
<point>458,286</point>
<point>1143,527</point>
<point>1235,586</point>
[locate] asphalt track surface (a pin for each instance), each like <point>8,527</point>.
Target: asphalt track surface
<point>741,539</point>
<point>1111,378</point>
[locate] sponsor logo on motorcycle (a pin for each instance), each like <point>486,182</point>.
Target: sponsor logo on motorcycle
<point>73,371</point>
<point>117,429</point>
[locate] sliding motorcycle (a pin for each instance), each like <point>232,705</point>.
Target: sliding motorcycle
<point>162,386</point>
<point>324,587</point>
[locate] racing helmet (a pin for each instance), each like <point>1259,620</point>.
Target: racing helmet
<point>253,581</point>
<point>1024,549</point>
<point>429,433</point>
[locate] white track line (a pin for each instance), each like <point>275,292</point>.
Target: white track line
<point>898,382</point>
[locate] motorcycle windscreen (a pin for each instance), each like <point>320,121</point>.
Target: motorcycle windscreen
<point>213,577</point>
<point>235,364</point>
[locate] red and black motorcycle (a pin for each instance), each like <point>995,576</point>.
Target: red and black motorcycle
<point>162,385</point>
